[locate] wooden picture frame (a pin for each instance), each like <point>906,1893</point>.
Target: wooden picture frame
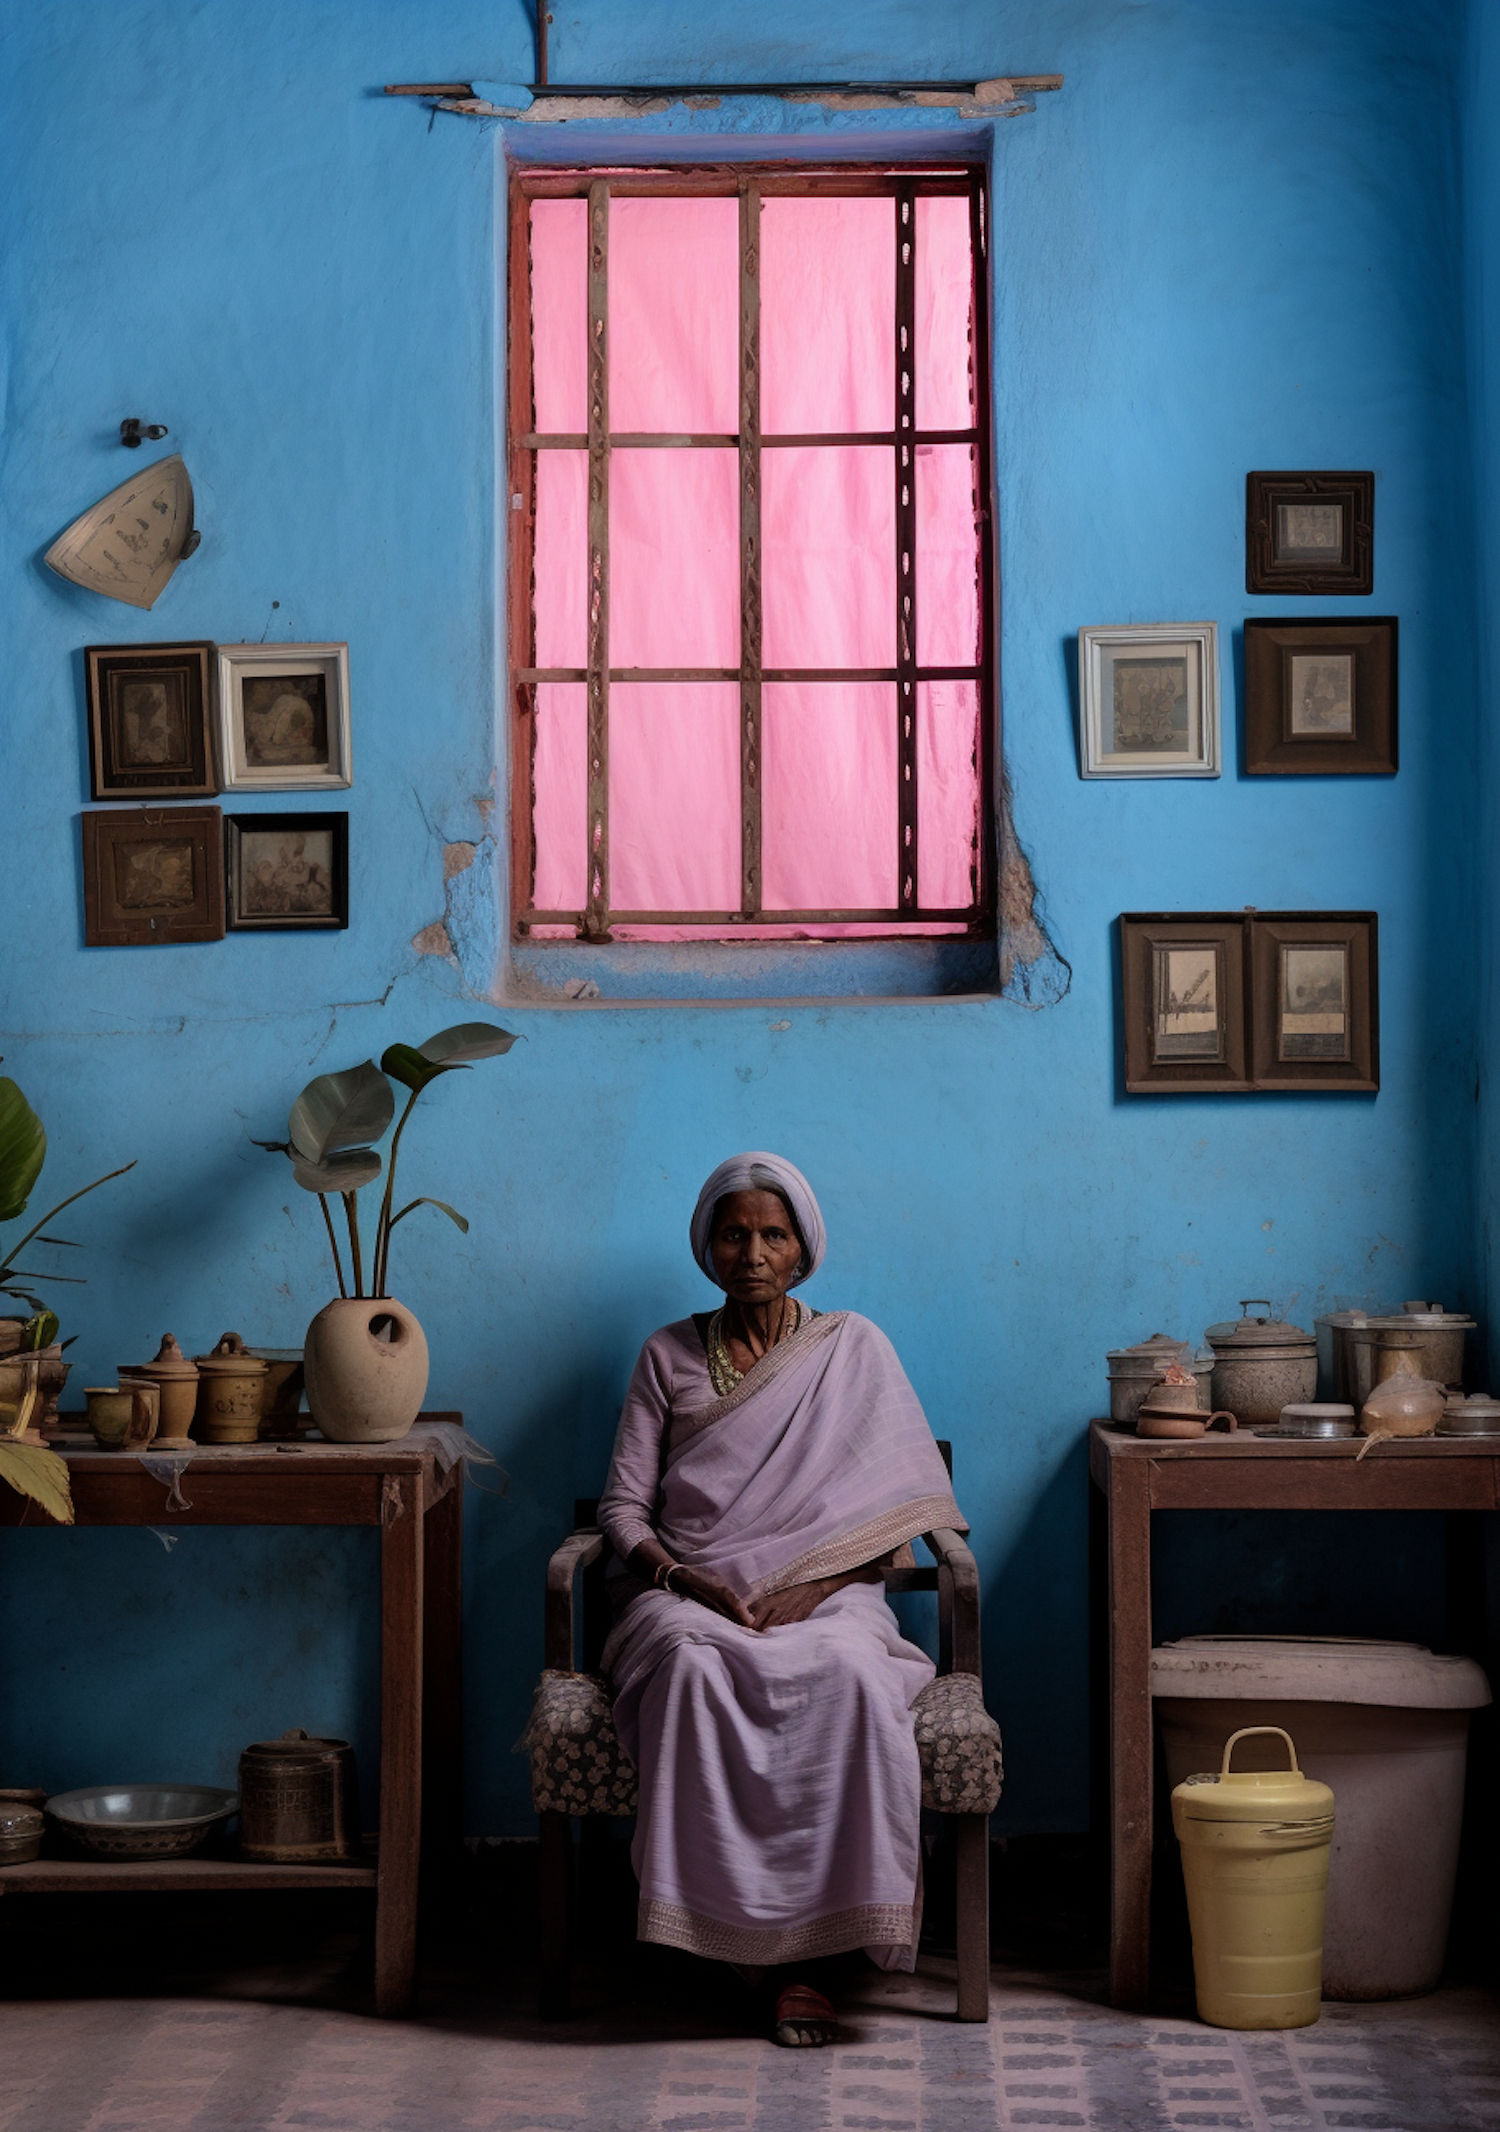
<point>287,873</point>
<point>1320,697</point>
<point>284,719</point>
<point>1148,700</point>
<point>153,876</point>
<point>1311,534</point>
<point>150,721</point>
<point>1249,1002</point>
<point>1313,1011</point>
<point>1185,1002</point>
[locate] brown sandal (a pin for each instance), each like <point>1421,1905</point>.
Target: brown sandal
<point>804,2017</point>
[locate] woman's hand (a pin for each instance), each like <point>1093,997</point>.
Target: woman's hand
<point>714,1593</point>
<point>776,1609</point>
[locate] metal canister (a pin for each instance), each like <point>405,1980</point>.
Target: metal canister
<point>1261,1365</point>
<point>299,1801</point>
<point>1478,1415</point>
<point>1133,1371</point>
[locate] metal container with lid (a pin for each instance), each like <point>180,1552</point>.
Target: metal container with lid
<point>1133,1371</point>
<point>299,1801</point>
<point>1433,1337</point>
<point>1261,1365</point>
<point>21,1832</point>
<point>1330,1419</point>
<point>1478,1415</point>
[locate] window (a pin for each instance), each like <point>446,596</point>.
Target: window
<point>750,612</point>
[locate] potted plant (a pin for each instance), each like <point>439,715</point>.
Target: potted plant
<point>366,1356</point>
<point>27,1345</point>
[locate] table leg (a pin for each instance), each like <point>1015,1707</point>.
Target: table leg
<point>400,1743</point>
<point>1130,1732</point>
<point>442,1682</point>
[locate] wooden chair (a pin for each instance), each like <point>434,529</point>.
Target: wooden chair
<point>957,1740</point>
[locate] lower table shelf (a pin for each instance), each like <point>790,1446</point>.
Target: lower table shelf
<point>94,1876</point>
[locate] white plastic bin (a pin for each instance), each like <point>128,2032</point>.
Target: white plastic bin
<point>1386,1725</point>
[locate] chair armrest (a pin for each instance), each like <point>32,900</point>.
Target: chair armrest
<point>575,1554</point>
<point>958,1601</point>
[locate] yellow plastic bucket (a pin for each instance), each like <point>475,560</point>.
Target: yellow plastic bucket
<point>1255,1849</point>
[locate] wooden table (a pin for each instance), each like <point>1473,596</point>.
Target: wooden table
<point>1135,1476</point>
<point>418,1507</point>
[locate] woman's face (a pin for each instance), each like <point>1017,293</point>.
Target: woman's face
<point>756,1249</point>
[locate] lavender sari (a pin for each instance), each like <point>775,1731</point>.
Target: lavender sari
<point>780,1791</point>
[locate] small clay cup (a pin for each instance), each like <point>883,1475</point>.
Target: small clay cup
<point>122,1416</point>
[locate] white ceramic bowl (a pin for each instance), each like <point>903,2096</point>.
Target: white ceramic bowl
<point>143,1820</point>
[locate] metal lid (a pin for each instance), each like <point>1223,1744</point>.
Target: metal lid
<point>1247,1332</point>
<point>1277,1795</point>
<point>1432,1314</point>
<point>1147,1355</point>
<point>296,1745</point>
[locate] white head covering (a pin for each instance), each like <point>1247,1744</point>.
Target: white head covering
<point>760,1172</point>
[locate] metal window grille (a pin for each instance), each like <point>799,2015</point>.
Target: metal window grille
<point>598,915</point>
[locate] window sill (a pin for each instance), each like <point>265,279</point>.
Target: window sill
<point>716,972</point>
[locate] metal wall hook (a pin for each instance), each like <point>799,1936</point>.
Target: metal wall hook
<point>134,432</point>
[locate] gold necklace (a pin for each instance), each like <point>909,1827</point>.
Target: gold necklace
<point>721,1370</point>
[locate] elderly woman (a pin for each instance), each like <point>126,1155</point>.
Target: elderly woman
<point>769,1459</point>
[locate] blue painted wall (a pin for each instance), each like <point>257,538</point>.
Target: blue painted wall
<point>1234,240</point>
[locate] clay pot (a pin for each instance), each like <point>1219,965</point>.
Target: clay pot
<point>1167,1422</point>
<point>229,1393</point>
<point>122,1416</point>
<point>366,1362</point>
<point>177,1381</point>
<point>1403,1405</point>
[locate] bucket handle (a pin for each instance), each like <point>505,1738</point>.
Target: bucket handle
<point>1248,1732</point>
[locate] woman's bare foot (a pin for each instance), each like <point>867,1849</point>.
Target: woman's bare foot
<point>804,2016</point>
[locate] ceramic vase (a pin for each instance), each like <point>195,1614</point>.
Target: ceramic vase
<point>366,1363</point>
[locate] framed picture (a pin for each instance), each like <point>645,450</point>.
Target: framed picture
<point>1148,700</point>
<point>149,718</point>
<point>1241,1002</point>
<point>1314,1005</point>
<point>153,876</point>
<point>1320,698</point>
<point>287,872</point>
<point>1185,998</point>
<point>284,717</point>
<point>1310,533</point>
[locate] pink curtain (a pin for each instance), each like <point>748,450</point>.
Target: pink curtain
<point>828,567</point>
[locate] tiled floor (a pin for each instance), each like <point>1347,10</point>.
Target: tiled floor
<point>1051,2056</point>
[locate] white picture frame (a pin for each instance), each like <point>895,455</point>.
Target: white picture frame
<point>1148,700</point>
<point>283,720</point>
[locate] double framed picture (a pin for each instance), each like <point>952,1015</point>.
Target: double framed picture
<point>181,721</point>
<point>154,876</point>
<point>1238,1002</point>
<point>1310,533</point>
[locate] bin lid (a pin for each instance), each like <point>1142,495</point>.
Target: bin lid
<point>1229,1794</point>
<point>1317,1669</point>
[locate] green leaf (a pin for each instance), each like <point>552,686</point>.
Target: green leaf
<point>23,1150</point>
<point>341,1110</point>
<point>42,1330</point>
<point>41,1474</point>
<point>466,1042</point>
<point>339,1173</point>
<point>442,1204</point>
<point>408,1067</point>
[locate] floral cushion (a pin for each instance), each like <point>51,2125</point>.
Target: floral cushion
<point>577,1763</point>
<point>579,1767</point>
<point>958,1743</point>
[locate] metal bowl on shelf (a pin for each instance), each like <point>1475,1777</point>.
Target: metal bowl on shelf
<point>143,1820</point>
<point>1325,1420</point>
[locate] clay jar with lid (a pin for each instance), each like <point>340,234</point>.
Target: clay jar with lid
<point>229,1391</point>
<point>176,1380</point>
<point>1261,1365</point>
